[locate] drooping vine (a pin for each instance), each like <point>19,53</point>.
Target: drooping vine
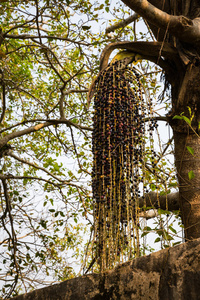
<point>118,167</point>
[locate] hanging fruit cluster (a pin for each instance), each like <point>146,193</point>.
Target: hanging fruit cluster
<point>118,154</point>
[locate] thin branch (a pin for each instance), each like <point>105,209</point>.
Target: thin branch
<point>165,149</point>
<point>10,176</point>
<point>18,26</point>
<point>52,66</point>
<point>13,246</point>
<point>37,127</point>
<point>37,22</point>
<point>32,37</point>
<point>61,102</point>
<point>16,134</point>
<point>77,155</point>
<point>3,98</point>
<point>122,24</point>
<point>58,185</point>
<point>75,91</point>
<point>10,153</point>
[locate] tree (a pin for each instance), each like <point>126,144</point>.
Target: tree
<point>45,65</point>
<point>49,56</point>
<point>177,26</point>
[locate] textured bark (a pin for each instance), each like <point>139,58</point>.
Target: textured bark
<point>182,27</point>
<point>149,50</point>
<point>173,273</point>
<point>189,189</point>
<point>168,202</point>
<point>187,94</point>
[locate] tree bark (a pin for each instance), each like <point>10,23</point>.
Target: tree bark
<point>168,202</point>
<point>182,27</point>
<point>189,188</point>
<point>186,97</point>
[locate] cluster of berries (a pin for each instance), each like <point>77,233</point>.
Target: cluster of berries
<point>118,156</point>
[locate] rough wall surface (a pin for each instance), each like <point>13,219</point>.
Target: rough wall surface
<point>170,274</point>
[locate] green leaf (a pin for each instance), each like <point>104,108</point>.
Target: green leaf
<point>191,175</point>
<point>189,109</point>
<point>147,228</point>
<point>172,229</point>
<point>157,240</point>
<point>176,243</point>
<point>177,117</point>
<point>188,121</point>
<point>144,234</point>
<point>190,150</point>
<point>86,27</point>
<point>152,187</point>
<point>75,120</point>
<point>168,237</point>
<point>62,213</point>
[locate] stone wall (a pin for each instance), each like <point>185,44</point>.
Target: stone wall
<point>173,273</point>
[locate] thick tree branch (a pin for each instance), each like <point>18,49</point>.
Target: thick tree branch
<point>169,202</point>
<point>148,50</point>
<point>183,28</point>
<point>52,121</point>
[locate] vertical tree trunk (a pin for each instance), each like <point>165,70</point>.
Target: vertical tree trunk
<point>189,188</point>
<point>187,148</point>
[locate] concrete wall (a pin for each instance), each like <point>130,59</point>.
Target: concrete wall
<point>173,273</point>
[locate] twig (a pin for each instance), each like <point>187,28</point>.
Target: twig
<point>3,97</point>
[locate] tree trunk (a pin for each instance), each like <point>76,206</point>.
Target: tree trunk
<point>186,96</point>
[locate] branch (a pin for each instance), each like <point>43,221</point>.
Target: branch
<point>10,176</point>
<point>10,153</point>
<point>12,236</point>
<point>183,28</point>
<point>37,127</point>
<point>16,134</point>
<point>169,202</point>
<point>148,50</point>
<point>53,121</point>
<point>32,37</point>
<point>3,98</point>
<point>122,24</point>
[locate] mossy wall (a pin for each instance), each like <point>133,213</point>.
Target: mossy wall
<point>170,274</point>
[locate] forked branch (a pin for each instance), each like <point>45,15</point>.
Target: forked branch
<point>185,29</point>
<point>153,51</point>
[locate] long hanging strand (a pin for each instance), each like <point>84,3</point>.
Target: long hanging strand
<point>118,150</point>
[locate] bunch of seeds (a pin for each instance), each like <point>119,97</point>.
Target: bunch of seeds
<point>118,154</point>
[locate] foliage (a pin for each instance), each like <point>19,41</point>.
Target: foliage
<point>49,54</point>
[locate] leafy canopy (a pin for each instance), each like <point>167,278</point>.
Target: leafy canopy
<point>49,55</point>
